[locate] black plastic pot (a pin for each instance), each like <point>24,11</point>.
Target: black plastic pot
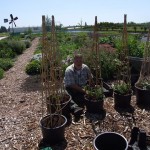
<point>136,63</point>
<point>94,106</point>
<point>55,134</point>
<point>110,141</point>
<point>122,101</point>
<point>142,96</point>
<point>134,79</point>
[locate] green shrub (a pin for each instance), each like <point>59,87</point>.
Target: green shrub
<point>108,40</point>
<point>22,35</point>
<point>94,93</point>
<point>17,46</point>
<point>5,64</point>
<point>3,44</point>
<point>27,37</point>
<point>27,43</point>
<point>33,68</point>
<point>80,39</point>
<point>7,53</point>
<point>38,49</point>
<point>108,65</point>
<point>122,88</point>
<point>1,73</point>
<point>145,85</point>
<point>135,46</point>
<point>67,49</point>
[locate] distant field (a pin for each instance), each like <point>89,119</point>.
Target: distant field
<point>4,34</point>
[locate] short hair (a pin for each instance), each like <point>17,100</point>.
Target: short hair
<point>77,55</point>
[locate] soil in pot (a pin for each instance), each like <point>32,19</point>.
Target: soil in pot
<point>110,141</point>
<point>53,128</point>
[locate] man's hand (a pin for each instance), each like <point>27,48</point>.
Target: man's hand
<point>78,88</point>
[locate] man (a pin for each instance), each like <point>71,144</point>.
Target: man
<point>76,76</point>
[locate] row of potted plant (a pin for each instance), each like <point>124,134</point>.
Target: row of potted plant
<point>54,123</point>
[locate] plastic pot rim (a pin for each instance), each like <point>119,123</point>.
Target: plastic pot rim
<point>65,121</point>
<point>110,133</point>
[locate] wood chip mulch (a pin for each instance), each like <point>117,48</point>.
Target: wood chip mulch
<point>21,111</point>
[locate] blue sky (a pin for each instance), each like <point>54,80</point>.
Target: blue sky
<point>72,12</point>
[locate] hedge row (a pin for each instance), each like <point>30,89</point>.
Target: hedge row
<point>1,73</point>
<point>9,49</point>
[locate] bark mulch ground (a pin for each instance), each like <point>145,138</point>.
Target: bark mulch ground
<point>21,110</point>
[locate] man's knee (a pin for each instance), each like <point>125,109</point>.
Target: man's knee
<point>71,91</point>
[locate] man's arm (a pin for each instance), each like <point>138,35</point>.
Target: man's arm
<point>77,88</point>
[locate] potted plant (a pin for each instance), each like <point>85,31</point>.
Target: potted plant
<point>53,128</point>
<point>142,86</point>
<point>136,50</point>
<point>53,123</point>
<point>94,98</point>
<point>142,92</point>
<point>94,90</point>
<point>122,94</point>
<point>122,86</point>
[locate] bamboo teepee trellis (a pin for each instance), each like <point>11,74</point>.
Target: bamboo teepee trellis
<point>51,72</point>
<point>96,55</point>
<point>145,68</point>
<point>124,75</point>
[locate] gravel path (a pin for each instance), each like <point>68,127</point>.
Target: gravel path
<point>19,96</point>
<point>3,37</point>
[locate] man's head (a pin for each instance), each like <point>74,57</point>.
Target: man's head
<point>78,60</point>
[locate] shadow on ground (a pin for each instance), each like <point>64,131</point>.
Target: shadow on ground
<point>146,107</point>
<point>31,83</point>
<point>96,117</point>
<point>129,109</point>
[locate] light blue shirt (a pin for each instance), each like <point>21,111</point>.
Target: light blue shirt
<point>79,77</point>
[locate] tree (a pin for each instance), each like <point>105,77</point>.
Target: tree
<point>48,23</point>
<point>134,28</point>
<point>3,29</point>
<point>85,24</point>
<point>145,28</point>
<point>59,27</point>
<point>29,31</point>
<point>131,23</point>
<point>80,24</point>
